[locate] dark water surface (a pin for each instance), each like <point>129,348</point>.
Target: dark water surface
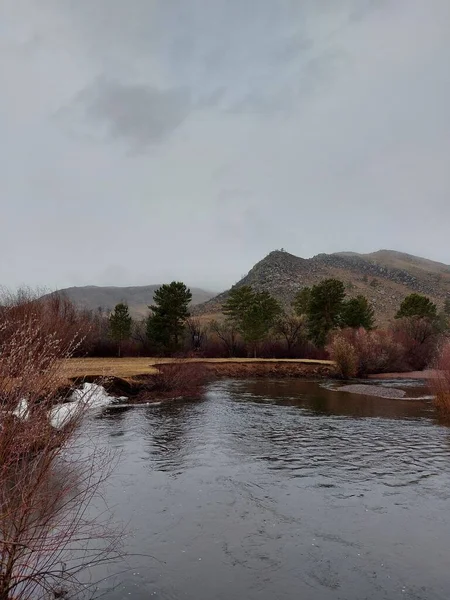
<point>282,490</point>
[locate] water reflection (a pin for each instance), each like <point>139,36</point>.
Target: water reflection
<point>115,417</point>
<point>282,490</point>
<point>170,432</point>
<point>320,399</point>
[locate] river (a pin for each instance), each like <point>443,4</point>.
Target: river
<point>280,490</point>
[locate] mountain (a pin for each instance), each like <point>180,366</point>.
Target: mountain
<point>385,277</point>
<point>138,298</point>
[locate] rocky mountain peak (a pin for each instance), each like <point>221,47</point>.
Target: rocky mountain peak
<point>384,277</point>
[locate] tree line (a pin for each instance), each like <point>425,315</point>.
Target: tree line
<point>251,319</point>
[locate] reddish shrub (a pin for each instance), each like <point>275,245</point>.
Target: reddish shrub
<point>344,355</point>
<point>52,317</point>
<point>46,480</point>
<point>441,382</point>
<point>175,379</point>
<point>376,351</point>
<point>420,340</point>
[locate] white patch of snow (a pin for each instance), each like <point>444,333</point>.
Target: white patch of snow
<point>90,396</point>
<point>62,414</point>
<point>21,410</point>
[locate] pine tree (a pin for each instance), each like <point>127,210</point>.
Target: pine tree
<point>301,301</point>
<point>357,312</point>
<point>253,314</point>
<point>416,305</point>
<point>166,323</point>
<point>120,323</point>
<point>238,301</point>
<point>324,309</point>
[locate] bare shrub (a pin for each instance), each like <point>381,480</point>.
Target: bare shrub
<point>420,338</point>
<point>99,343</point>
<point>55,315</point>
<point>377,351</point>
<point>181,378</point>
<point>197,332</point>
<point>47,477</point>
<point>226,332</point>
<point>441,382</point>
<point>344,355</point>
<point>292,329</point>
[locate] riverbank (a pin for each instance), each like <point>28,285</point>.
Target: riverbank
<point>129,368</point>
<point>139,378</point>
<point>424,375</point>
<point>134,377</point>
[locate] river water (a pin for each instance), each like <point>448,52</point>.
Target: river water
<point>281,490</point>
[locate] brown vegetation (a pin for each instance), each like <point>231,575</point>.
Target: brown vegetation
<point>276,369</point>
<point>46,539</point>
<point>134,368</point>
<point>174,380</point>
<point>420,340</point>
<point>409,345</point>
<point>345,356</point>
<point>361,352</point>
<point>41,320</point>
<point>440,383</point>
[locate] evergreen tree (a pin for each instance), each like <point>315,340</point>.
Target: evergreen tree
<point>238,301</point>
<point>301,301</point>
<point>357,312</point>
<point>165,325</point>
<point>253,314</point>
<point>416,305</point>
<point>120,323</point>
<point>324,309</point>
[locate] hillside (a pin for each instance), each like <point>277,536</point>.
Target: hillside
<point>138,298</point>
<point>385,277</point>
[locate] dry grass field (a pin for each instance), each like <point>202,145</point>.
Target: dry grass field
<point>127,368</point>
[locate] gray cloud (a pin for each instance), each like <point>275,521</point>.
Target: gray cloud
<point>256,61</point>
<point>316,126</point>
<point>140,114</point>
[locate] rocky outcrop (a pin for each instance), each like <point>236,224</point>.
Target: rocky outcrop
<point>385,277</point>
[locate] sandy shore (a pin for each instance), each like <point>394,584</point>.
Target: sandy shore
<point>428,374</point>
<point>372,390</point>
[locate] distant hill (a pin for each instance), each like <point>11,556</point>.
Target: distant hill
<point>138,298</point>
<point>385,277</point>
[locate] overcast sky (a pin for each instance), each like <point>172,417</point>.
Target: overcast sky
<point>147,140</point>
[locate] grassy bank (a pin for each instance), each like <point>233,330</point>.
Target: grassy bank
<point>146,379</point>
<point>130,368</point>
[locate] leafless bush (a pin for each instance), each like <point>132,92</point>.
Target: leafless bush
<point>376,351</point>
<point>47,477</point>
<point>344,355</point>
<point>420,339</point>
<point>55,314</point>
<point>441,382</point>
<point>292,330</point>
<point>197,333</point>
<point>176,379</point>
<point>227,334</point>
